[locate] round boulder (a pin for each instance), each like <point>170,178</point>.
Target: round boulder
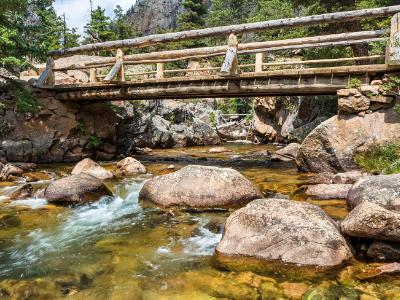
<point>130,166</point>
<point>200,187</point>
<point>284,231</point>
<point>381,190</point>
<point>91,167</point>
<point>77,188</point>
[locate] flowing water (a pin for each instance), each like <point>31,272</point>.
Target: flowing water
<point>120,249</point>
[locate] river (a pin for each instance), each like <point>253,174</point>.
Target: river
<point>121,249</point>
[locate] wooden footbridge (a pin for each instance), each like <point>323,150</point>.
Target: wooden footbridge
<point>231,77</point>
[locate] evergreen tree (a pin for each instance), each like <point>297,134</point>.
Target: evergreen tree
<point>119,26</point>
<point>194,16</point>
<point>99,27</point>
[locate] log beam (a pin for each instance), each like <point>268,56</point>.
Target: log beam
<point>151,40</point>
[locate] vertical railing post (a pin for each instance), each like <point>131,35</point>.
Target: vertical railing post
<point>230,66</point>
<point>160,70</point>
<point>120,58</point>
<point>47,78</point>
<point>393,51</point>
<point>259,62</point>
<point>93,75</point>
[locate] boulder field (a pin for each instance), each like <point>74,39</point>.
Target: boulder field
<point>200,187</point>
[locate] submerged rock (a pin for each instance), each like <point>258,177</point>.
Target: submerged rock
<point>384,251</point>
<point>200,187</point>
<point>90,167</point>
<point>371,220</point>
<point>130,166</point>
<point>329,191</point>
<point>219,150</point>
<point>22,192</point>
<point>284,231</point>
<point>381,190</point>
<point>76,189</point>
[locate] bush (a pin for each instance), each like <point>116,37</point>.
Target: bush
<point>25,102</point>
<point>94,142</point>
<point>354,83</point>
<point>213,119</point>
<point>381,158</point>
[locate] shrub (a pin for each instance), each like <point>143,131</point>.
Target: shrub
<point>80,126</point>
<point>25,102</point>
<point>381,158</point>
<point>213,119</point>
<point>93,142</point>
<point>354,83</point>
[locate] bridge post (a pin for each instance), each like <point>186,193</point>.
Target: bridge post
<point>47,78</point>
<point>160,70</point>
<point>93,75</point>
<point>120,58</point>
<point>393,51</point>
<point>230,65</point>
<point>259,62</point>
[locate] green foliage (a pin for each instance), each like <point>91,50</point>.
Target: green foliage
<point>94,142</point>
<point>381,158</point>
<point>290,105</point>
<point>119,25</point>
<point>80,126</point>
<point>235,105</point>
<point>354,83</point>
<point>99,27</point>
<point>392,85</point>
<point>213,119</point>
<point>25,102</point>
<point>396,109</point>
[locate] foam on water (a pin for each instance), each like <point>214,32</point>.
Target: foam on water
<point>86,224</point>
<point>33,203</point>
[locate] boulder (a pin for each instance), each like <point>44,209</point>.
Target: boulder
<point>9,170</point>
<point>347,177</point>
<point>22,192</point>
<point>200,187</point>
<point>370,220</point>
<point>353,104</point>
<point>284,231</point>
<point>332,145</point>
<point>384,251</point>
<point>76,189</point>
<point>90,167</point>
<point>219,150</point>
<point>382,190</point>
<point>329,191</point>
<point>288,153</point>
<point>130,166</point>
<point>321,178</point>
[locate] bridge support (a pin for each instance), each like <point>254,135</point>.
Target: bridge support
<point>230,65</point>
<point>118,69</point>
<point>393,52</point>
<point>160,70</point>
<point>47,78</point>
<point>259,62</point>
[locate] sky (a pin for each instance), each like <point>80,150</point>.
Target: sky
<point>77,11</point>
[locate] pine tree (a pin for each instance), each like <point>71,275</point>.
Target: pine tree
<point>119,26</point>
<point>99,27</point>
<point>194,16</point>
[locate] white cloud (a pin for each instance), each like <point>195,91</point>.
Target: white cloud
<point>77,11</point>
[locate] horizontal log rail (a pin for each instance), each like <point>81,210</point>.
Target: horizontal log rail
<point>152,40</point>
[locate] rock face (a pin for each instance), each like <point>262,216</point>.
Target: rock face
<point>370,220</point>
<point>200,187</point>
<point>130,166</point>
<point>332,145</point>
<point>382,190</point>
<point>329,191</point>
<point>90,167</point>
<point>78,188</point>
<point>284,231</point>
<point>165,124</point>
<point>290,119</point>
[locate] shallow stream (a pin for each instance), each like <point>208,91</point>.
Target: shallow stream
<point>120,249</point>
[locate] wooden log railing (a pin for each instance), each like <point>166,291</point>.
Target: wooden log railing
<point>118,70</point>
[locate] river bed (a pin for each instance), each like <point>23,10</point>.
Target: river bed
<point>122,249</point>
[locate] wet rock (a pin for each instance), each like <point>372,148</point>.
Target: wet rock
<point>381,190</point>
<point>373,272</point>
<point>384,251</point>
<point>90,167</point>
<point>321,178</point>
<point>294,290</point>
<point>36,176</point>
<point>219,150</point>
<point>347,177</point>
<point>77,188</point>
<point>288,153</point>
<point>371,220</point>
<point>27,167</point>
<point>332,145</point>
<point>200,187</point>
<point>284,231</point>
<point>130,166</point>
<point>329,191</point>
<point>10,170</point>
<point>22,192</point>
<point>232,131</point>
<point>9,221</point>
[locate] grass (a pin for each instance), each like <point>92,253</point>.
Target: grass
<point>381,158</point>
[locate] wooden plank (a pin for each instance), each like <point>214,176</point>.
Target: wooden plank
<point>324,61</point>
<point>118,68</point>
<point>174,55</point>
<point>114,71</point>
<point>160,70</point>
<point>93,75</point>
<point>259,62</point>
<point>151,40</point>
<point>394,42</point>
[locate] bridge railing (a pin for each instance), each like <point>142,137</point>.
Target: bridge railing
<point>117,69</point>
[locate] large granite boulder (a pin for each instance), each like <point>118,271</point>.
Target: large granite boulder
<point>332,145</point>
<point>130,166</point>
<point>288,153</point>
<point>284,231</point>
<point>383,190</point>
<point>370,220</point>
<point>328,191</point>
<point>90,167</point>
<point>200,187</point>
<point>76,189</point>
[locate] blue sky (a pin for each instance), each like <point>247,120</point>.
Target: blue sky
<point>77,11</point>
